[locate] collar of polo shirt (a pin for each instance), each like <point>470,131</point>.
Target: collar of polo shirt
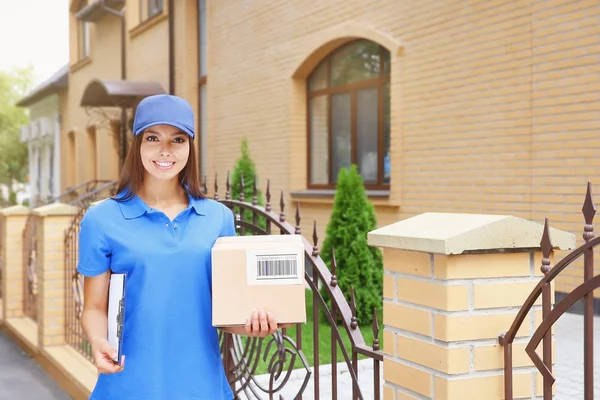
<point>136,207</point>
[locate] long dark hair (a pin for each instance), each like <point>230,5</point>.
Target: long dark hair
<point>132,174</point>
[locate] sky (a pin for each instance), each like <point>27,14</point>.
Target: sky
<point>34,32</point>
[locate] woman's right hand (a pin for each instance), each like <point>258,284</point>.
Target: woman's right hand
<point>104,354</point>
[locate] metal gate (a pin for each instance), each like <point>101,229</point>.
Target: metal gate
<point>550,315</point>
<point>75,336</point>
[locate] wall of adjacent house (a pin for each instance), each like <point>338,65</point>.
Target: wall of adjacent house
<point>68,162</point>
<point>186,55</point>
<point>48,107</point>
<point>104,62</point>
<point>494,104</point>
<point>148,51</point>
<point>147,60</point>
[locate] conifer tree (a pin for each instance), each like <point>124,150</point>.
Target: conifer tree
<point>245,167</point>
<point>358,265</point>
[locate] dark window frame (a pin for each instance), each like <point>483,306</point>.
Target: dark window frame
<point>380,82</point>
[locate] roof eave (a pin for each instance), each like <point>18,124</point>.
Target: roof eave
<point>56,82</point>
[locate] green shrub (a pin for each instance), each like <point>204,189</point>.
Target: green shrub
<point>358,265</point>
<point>12,197</point>
<point>245,167</point>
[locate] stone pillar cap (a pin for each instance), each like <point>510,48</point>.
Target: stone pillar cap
<point>455,233</point>
<point>15,210</point>
<point>55,209</point>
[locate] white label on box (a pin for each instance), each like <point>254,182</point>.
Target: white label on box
<point>275,267</point>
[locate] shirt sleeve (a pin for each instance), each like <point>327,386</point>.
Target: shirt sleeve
<point>94,251</point>
<point>228,227</point>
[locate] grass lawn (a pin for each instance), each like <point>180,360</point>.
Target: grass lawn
<point>325,341</point>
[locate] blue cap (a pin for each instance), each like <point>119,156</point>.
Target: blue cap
<point>164,109</point>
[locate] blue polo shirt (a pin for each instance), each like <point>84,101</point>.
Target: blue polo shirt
<point>171,348</point>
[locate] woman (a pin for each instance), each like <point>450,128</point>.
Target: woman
<point>159,229</point>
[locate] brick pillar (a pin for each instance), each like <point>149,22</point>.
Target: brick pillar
<point>53,222</point>
<point>12,263</point>
<point>452,284</point>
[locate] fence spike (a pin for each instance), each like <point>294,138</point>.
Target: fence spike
<point>282,207</point>
<point>268,196</point>
<point>255,192</point>
<point>334,281</point>
<point>297,231</point>
<point>227,188</point>
<point>353,320</point>
<point>589,211</point>
<point>546,245</point>
<point>315,251</point>
<point>375,330</point>
<point>216,187</point>
<point>242,195</point>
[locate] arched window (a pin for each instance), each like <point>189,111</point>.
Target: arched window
<point>349,115</point>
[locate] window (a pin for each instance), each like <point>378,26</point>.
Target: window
<point>83,36</point>
<point>349,115</point>
<point>150,8</point>
<point>83,39</point>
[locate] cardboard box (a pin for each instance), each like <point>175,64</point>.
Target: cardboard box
<point>263,271</point>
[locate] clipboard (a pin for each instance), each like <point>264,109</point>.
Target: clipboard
<point>116,312</point>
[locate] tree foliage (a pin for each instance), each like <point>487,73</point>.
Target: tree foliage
<point>245,167</point>
<point>359,266</point>
<point>14,85</point>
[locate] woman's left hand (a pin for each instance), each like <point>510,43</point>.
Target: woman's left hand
<point>262,323</point>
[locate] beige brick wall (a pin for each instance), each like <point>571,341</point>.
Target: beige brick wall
<point>104,62</point>
<point>565,105</point>
<point>147,59</point>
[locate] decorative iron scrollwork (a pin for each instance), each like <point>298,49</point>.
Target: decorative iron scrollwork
<point>282,357</point>
<point>77,286</point>
<point>101,117</point>
<point>32,278</point>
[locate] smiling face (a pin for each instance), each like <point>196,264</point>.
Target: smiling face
<point>164,151</point>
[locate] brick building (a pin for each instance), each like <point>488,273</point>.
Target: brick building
<point>478,107</point>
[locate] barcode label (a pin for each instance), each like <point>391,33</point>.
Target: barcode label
<point>275,267</point>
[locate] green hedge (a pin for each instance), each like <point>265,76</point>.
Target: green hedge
<point>245,167</point>
<point>358,265</point>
